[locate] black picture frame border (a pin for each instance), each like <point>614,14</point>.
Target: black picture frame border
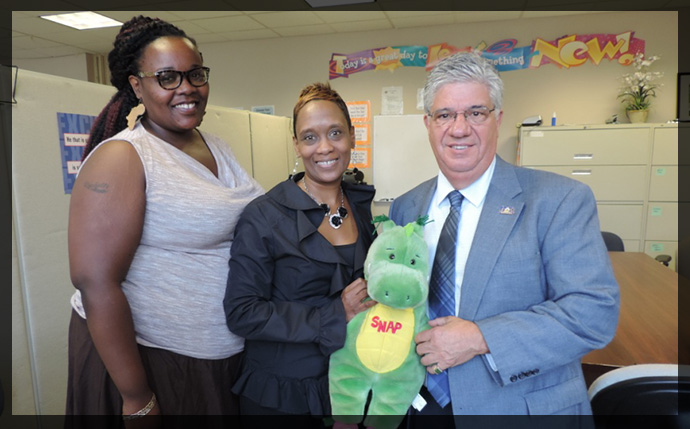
<point>683,98</point>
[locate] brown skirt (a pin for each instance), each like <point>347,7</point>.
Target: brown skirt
<point>183,385</point>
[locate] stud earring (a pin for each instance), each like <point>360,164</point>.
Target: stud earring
<point>134,114</point>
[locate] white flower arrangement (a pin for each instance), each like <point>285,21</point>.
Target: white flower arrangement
<point>639,89</point>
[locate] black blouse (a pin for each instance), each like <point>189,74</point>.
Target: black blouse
<point>283,295</point>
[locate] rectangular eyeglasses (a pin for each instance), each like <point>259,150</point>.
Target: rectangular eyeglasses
<point>475,115</point>
<point>172,79</point>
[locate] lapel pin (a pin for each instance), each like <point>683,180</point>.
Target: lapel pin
<point>507,210</point>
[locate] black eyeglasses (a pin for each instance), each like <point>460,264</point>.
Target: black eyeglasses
<point>172,79</point>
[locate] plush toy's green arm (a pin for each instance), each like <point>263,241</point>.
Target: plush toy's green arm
<point>421,319</point>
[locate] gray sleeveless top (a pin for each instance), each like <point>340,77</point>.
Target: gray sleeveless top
<point>176,283</point>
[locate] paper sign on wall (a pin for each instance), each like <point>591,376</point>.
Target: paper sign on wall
<point>266,110</point>
<point>360,111</point>
<point>362,135</point>
<point>392,100</point>
<point>73,131</point>
<point>360,158</point>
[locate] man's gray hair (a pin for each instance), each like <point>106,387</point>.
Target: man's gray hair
<point>464,67</point>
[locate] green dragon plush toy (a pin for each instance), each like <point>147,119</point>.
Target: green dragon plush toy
<point>379,352</point>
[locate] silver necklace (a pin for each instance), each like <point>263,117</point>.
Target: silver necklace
<point>335,220</point>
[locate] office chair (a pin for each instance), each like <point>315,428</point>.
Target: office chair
<point>643,390</point>
<point>354,176</point>
<point>613,242</point>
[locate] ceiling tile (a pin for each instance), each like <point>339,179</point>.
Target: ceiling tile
<point>209,38</point>
<point>287,19</point>
<point>228,23</point>
<point>200,14</point>
<point>35,25</point>
<point>344,27</point>
<point>304,30</point>
<point>475,16</point>
<point>250,35</point>
<point>124,16</point>
<point>30,42</point>
<point>349,16</point>
<point>97,47</point>
<point>68,37</point>
<point>548,13</point>
<point>421,21</point>
<point>191,28</point>
<point>397,14</point>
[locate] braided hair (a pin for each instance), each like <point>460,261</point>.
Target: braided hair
<point>134,36</point>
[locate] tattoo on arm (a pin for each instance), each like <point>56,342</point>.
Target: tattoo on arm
<point>101,188</point>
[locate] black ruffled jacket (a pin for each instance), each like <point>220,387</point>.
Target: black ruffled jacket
<point>283,296</point>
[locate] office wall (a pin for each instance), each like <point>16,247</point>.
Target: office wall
<point>272,72</point>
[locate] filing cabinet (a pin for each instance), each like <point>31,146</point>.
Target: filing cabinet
<point>631,168</point>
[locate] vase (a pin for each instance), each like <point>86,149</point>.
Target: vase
<point>637,116</point>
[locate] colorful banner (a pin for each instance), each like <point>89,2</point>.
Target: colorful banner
<point>388,58</point>
<point>567,51</point>
<point>73,131</point>
<point>573,50</point>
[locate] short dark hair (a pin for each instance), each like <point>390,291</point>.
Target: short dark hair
<point>319,91</point>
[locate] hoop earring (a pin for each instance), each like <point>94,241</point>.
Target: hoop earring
<point>134,114</point>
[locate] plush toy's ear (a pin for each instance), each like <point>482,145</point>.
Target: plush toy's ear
<point>384,221</point>
<point>416,226</point>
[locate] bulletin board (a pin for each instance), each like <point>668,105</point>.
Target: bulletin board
<point>402,155</point>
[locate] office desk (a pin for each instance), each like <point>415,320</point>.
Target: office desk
<point>648,323</point>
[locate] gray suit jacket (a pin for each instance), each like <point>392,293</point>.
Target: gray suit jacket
<point>539,285</point>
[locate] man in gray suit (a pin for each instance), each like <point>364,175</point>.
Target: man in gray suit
<point>530,288</point>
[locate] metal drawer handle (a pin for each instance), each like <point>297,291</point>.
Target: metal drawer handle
<point>581,172</point>
<point>583,156</point>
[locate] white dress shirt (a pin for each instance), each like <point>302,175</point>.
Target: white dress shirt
<point>472,204</point>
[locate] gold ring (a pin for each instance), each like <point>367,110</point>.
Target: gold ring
<point>437,370</point>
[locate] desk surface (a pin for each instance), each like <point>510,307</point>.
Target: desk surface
<point>648,323</point>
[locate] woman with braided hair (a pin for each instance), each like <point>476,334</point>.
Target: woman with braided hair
<point>152,217</point>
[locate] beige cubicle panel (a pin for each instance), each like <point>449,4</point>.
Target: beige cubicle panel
<point>232,125</point>
<point>270,140</point>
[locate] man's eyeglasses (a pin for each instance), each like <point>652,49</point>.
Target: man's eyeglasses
<point>475,116</point>
<point>172,79</point>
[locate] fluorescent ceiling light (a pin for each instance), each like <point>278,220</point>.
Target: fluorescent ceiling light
<point>83,20</point>
<point>329,3</point>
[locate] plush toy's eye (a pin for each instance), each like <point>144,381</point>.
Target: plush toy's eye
<point>392,256</point>
<point>412,261</point>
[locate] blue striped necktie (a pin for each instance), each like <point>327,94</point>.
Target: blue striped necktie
<point>442,288</point>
